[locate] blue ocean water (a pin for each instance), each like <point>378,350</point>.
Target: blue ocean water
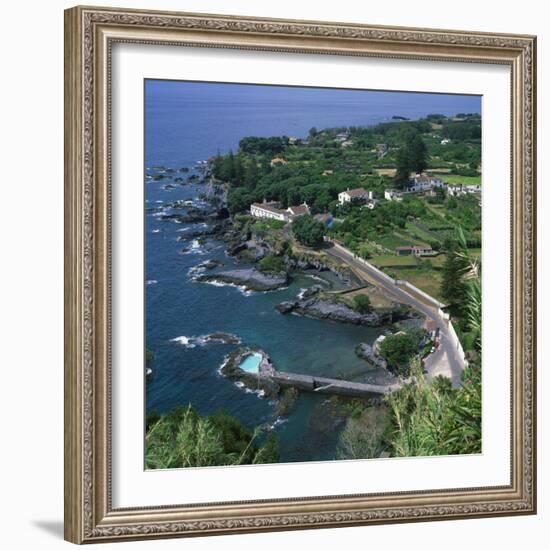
<point>188,122</point>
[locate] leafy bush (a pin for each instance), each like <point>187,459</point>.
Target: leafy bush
<point>361,303</point>
<point>183,438</point>
<point>272,264</point>
<point>436,419</point>
<point>308,230</point>
<point>398,350</point>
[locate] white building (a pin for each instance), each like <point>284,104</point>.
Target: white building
<point>459,189</point>
<point>267,210</point>
<point>300,210</point>
<point>270,210</point>
<point>352,195</point>
<point>393,195</point>
<point>415,250</point>
<point>370,204</point>
<point>423,182</point>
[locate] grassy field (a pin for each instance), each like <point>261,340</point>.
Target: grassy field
<point>386,171</point>
<point>420,233</point>
<point>390,260</point>
<point>465,180</point>
<point>428,280</point>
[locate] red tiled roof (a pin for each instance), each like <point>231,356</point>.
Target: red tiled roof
<point>359,192</point>
<point>297,210</point>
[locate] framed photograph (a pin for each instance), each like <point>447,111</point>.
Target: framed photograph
<point>300,274</point>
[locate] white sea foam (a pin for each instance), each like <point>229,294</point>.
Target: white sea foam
<point>159,202</point>
<point>184,341</point>
<point>317,278</point>
<point>151,282</point>
<point>155,231</point>
<point>203,340</point>
<point>277,422</point>
<point>301,293</point>
<point>241,288</point>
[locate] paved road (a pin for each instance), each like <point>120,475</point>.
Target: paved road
<point>445,361</point>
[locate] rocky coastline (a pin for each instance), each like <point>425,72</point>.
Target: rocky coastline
<point>249,278</point>
<point>322,307</point>
<point>260,381</point>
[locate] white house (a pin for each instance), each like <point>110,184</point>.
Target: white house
<point>393,195</point>
<point>415,250</point>
<point>352,195</point>
<point>370,204</point>
<point>423,182</point>
<point>457,190</point>
<point>267,210</point>
<point>270,210</point>
<point>300,210</point>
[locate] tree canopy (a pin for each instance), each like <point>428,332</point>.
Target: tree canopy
<point>308,230</point>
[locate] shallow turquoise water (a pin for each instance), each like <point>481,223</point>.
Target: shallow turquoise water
<point>251,363</point>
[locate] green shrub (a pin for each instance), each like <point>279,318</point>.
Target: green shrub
<point>272,264</point>
<point>308,230</point>
<point>361,303</point>
<point>398,351</point>
<point>183,438</point>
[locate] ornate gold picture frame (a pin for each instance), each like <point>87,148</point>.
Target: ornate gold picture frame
<point>90,34</point>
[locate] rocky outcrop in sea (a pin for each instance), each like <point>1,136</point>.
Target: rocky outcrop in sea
<point>334,310</point>
<point>250,278</point>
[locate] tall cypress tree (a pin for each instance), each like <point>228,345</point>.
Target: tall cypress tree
<point>453,285</point>
<point>418,154</point>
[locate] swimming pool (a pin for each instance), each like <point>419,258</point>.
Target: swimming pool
<point>251,363</point>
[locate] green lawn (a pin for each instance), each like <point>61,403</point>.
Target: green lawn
<point>390,260</point>
<point>420,233</point>
<point>428,280</point>
<point>466,180</point>
<point>393,240</point>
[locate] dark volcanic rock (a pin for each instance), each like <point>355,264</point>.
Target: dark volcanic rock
<point>251,279</point>
<point>333,310</point>
<point>210,264</point>
<point>366,352</point>
<point>190,217</point>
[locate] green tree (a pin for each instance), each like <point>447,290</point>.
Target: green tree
<point>251,174</point>
<point>226,171</point>
<point>271,263</point>
<point>403,164</point>
<point>238,200</point>
<point>453,285</point>
<point>412,156</point>
<point>398,351</point>
<point>362,303</point>
<point>418,154</point>
<point>308,230</point>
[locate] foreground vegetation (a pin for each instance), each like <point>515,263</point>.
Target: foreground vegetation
<point>183,438</point>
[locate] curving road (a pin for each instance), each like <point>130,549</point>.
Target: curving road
<point>446,360</point>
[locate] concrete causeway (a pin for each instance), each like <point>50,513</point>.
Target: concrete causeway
<point>319,384</point>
